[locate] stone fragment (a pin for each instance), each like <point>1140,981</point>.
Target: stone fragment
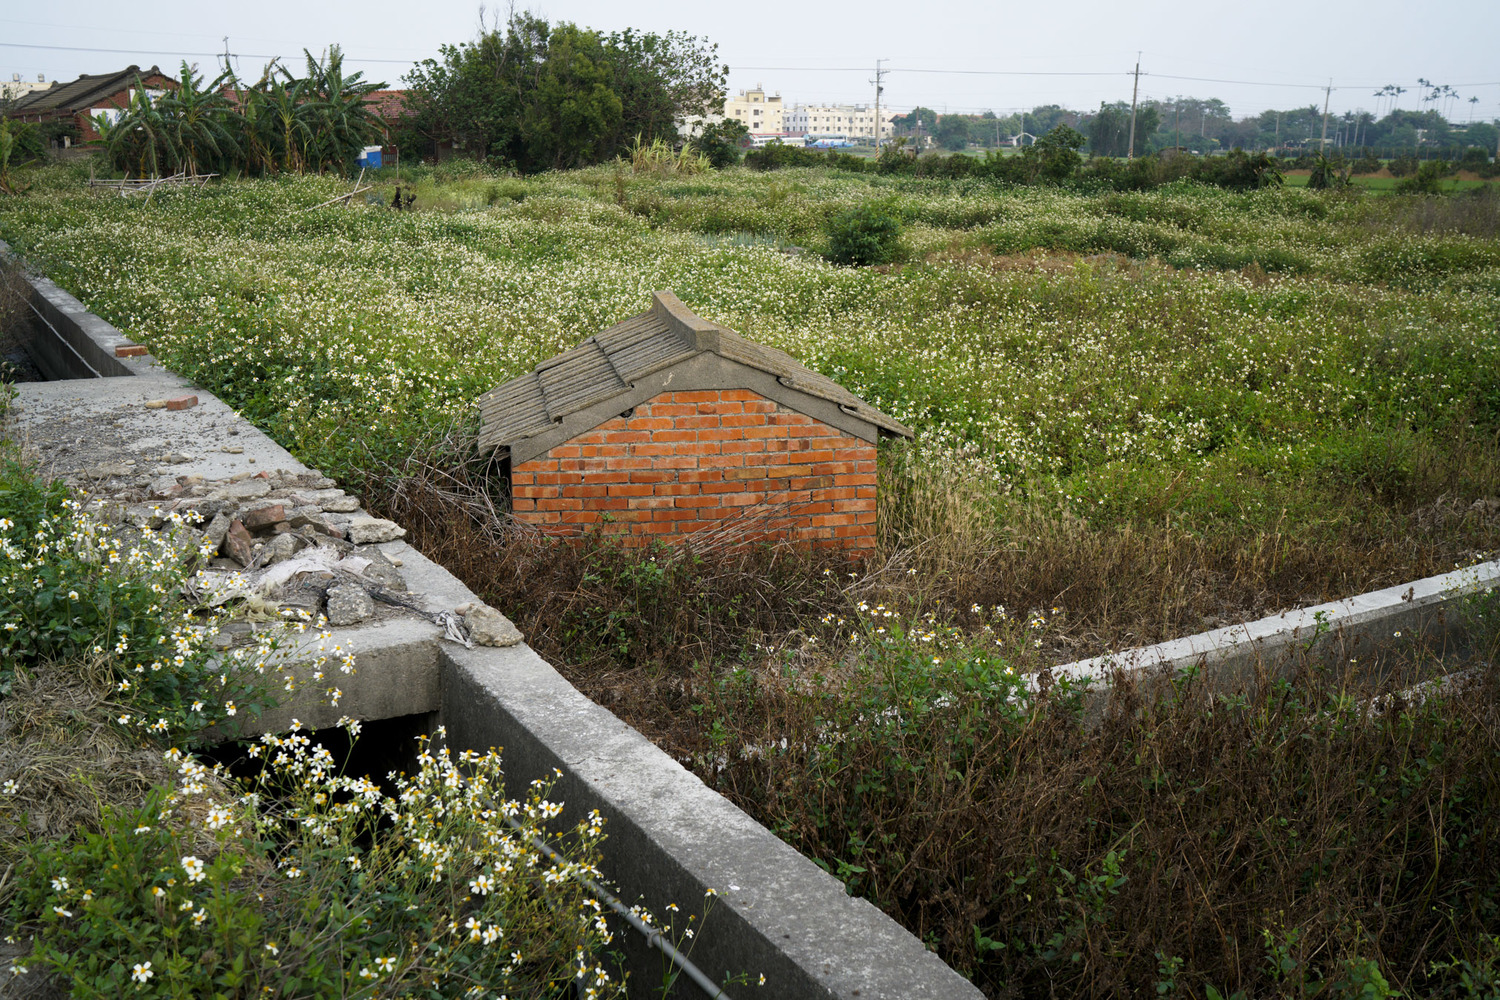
<point>366,530</point>
<point>341,505</point>
<point>381,571</point>
<point>305,519</point>
<point>338,545</point>
<point>264,517</point>
<point>237,543</point>
<point>179,458</point>
<point>156,404</point>
<point>242,489</point>
<point>488,627</point>
<point>182,402</point>
<point>279,548</point>
<point>111,469</point>
<point>233,449</point>
<point>209,507</point>
<point>164,488</point>
<point>217,529</point>
<point>348,604</point>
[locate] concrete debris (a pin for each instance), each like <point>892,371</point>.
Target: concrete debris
<point>217,530</point>
<point>264,517</point>
<point>279,548</point>
<point>156,404</point>
<point>367,530</point>
<point>164,488</point>
<point>282,541</point>
<point>489,627</point>
<point>349,604</point>
<point>238,545</point>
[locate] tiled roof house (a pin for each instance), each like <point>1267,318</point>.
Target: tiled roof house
<point>87,96</point>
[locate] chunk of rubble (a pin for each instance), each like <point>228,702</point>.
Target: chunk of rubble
<point>349,604</point>
<point>238,545</point>
<point>489,627</point>
<point>263,517</point>
<point>366,530</point>
<point>279,549</point>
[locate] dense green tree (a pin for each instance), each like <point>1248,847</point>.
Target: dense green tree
<point>537,97</point>
<point>952,132</point>
<point>722,142</point>
<point>1109,129</point>
<point>919,119</point>
<point>1055,156</point>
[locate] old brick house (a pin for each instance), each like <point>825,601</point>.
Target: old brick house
<point>667,426</point>
<point>81,100</point>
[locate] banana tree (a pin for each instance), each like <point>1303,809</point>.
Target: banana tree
<point>201,120</point>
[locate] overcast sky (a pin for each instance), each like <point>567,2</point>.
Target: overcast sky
<point>1012,55</point>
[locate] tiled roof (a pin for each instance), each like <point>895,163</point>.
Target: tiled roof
<point>80,94</point>
<point>605,366</point>
<point>388,105</point>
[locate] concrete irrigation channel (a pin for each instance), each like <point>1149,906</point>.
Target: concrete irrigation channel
<point>103,423</point>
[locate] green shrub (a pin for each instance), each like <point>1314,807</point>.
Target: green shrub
<point>869,234</point>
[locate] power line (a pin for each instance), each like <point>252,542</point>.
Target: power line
<point>181,55</point>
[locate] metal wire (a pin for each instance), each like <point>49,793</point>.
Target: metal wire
<point>654,938</point>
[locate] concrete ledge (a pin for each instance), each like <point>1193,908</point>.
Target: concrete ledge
<point>1420,611</point>
<point>671,838</point>
<point>84,344</point>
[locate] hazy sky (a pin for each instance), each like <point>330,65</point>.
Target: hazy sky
<point>1075,54</point>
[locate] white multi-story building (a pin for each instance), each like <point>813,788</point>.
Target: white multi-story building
<point>17,87</point>
<point>853,120</point>
<point>760,112</point>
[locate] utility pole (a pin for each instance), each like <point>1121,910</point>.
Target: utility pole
<point>1134,92</point>
<point>879,74</point>
<point>1323,142</point>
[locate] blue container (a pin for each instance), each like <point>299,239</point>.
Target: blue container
<point>369,158</point>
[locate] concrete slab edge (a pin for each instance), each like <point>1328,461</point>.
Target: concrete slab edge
<point>1420,611</point>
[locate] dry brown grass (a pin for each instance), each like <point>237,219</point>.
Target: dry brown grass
<point>57,743</point>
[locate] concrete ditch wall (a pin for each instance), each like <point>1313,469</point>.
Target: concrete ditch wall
<point>671,838</point>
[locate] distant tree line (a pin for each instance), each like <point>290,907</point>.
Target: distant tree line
<point>1056,158</point>
<point>1201,125</point>
<point>535,96</point>
<point>317,121</point>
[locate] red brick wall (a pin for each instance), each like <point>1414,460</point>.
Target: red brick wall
<point>728,463</point>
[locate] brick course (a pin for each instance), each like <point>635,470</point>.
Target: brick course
<point>729,463</point>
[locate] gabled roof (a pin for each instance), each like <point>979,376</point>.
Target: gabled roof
<point>80,94</point>
<point>605,368</point>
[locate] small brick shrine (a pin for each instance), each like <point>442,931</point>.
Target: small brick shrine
<point>667,426</point>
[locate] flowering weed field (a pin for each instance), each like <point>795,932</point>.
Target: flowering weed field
<point>1256,373</point>
<point>1137,415</point>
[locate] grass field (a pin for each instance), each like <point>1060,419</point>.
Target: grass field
<point>1138,415</point>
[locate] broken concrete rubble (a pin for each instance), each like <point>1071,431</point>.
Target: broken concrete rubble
<point>281,542</point>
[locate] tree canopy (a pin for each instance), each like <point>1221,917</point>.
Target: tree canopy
<point>537,96</point>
